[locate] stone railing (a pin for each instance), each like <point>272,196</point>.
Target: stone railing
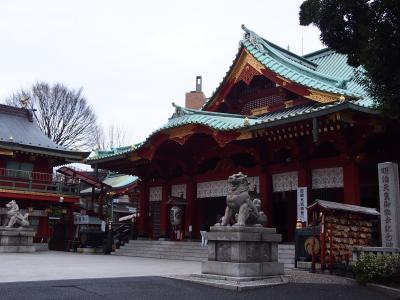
<point>359,250</point>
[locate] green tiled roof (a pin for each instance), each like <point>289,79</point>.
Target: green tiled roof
<point>214,120</point>
<point>334,64</point>
<point>324,70</point>
<point>116,181</point>
<point>226,122</point>
<point>113,152</point>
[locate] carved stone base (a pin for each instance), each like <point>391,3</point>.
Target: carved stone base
<point>232,269</point>
<point>16,240</point>
<point>244,252</point>
<point>233,283</point>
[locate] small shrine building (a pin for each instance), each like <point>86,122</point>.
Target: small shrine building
<point>286,121</point>
<point>27,159</point>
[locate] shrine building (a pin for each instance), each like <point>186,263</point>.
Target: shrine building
<point>27,159</point>
<point>284,120</point>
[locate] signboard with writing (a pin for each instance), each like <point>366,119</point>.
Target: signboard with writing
<point>302,204</point>
<point>389,204</point>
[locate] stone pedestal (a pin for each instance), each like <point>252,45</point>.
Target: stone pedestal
<point>243,253</point>
<point>14,240</point>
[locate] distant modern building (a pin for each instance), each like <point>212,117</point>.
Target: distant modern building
<point>287,121</point>
<point>27,159</point>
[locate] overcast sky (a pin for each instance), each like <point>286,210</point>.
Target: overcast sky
<point>134,58</point>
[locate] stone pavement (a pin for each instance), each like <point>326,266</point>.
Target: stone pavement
<point>61,275</point>
<point>157,288</point>
<point>52,265</point>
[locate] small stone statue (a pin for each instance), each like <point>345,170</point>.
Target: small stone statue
<point>15,217</point>
<point>175,215</point>
<point>240,206</point>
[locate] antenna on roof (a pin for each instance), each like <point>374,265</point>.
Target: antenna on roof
<point>288,47</point>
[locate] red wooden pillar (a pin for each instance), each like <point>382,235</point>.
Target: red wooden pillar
<point>143,210</point>
<point>266,195</point>
<point>191,207</point>
<point>351,183</point>
<point>70,227</point>
<point>166,192</point>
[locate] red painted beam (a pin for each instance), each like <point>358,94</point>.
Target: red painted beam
<point>39,197</point>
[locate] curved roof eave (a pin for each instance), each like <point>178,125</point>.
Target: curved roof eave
<point>270,56</point>
<point>275,119</point>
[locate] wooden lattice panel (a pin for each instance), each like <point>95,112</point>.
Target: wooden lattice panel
<point>267,101</point>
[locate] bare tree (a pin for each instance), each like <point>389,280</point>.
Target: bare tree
<point>63,114</point>
<point>115,136</point>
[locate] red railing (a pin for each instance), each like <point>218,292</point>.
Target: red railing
<point>35,176</point>
<point>36,181</point>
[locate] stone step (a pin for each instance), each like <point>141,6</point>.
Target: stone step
<point>163,248</point>
<point>161,255</point>
<point>286,246</point>
<point>187,251</point>
<point>175,257</point>
<point>160,242</point>
<point>178,245</point>
<point>170,252</point>
<point>291,258</point>
<point>286,260</point>
<point>286,255</point>
<point>158,254</point>
<point>285,251</point>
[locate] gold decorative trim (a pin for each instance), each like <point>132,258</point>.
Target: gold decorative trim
<point>289,104</point>
<point>245,135</point>
<point>285,81</point>
<point>260,110</point>
<point>323,97</point>
<point>6,152</point>
<point>245,58</point>
<point>180,132</point>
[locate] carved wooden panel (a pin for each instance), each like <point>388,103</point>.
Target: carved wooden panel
<point>327,178</point>
<point>178,189</point>
<point>219,188</point>
<point>283,182</point>
<point>155,193</point>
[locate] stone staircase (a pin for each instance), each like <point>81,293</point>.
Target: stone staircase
<point>286,255</point>
<point>164,249</point>
<point>187,251</point>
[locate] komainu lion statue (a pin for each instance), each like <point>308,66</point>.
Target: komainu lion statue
<point>240,206</point>
<point>15,217</point>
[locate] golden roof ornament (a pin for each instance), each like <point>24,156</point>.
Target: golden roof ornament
<point>24,100</point>
<point>246,121</point>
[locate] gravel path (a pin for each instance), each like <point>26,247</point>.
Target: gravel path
<point>298,276</point>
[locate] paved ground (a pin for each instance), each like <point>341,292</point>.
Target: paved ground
<point>155,288</point>
<point>63,265</point>
<point>24,276</point>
